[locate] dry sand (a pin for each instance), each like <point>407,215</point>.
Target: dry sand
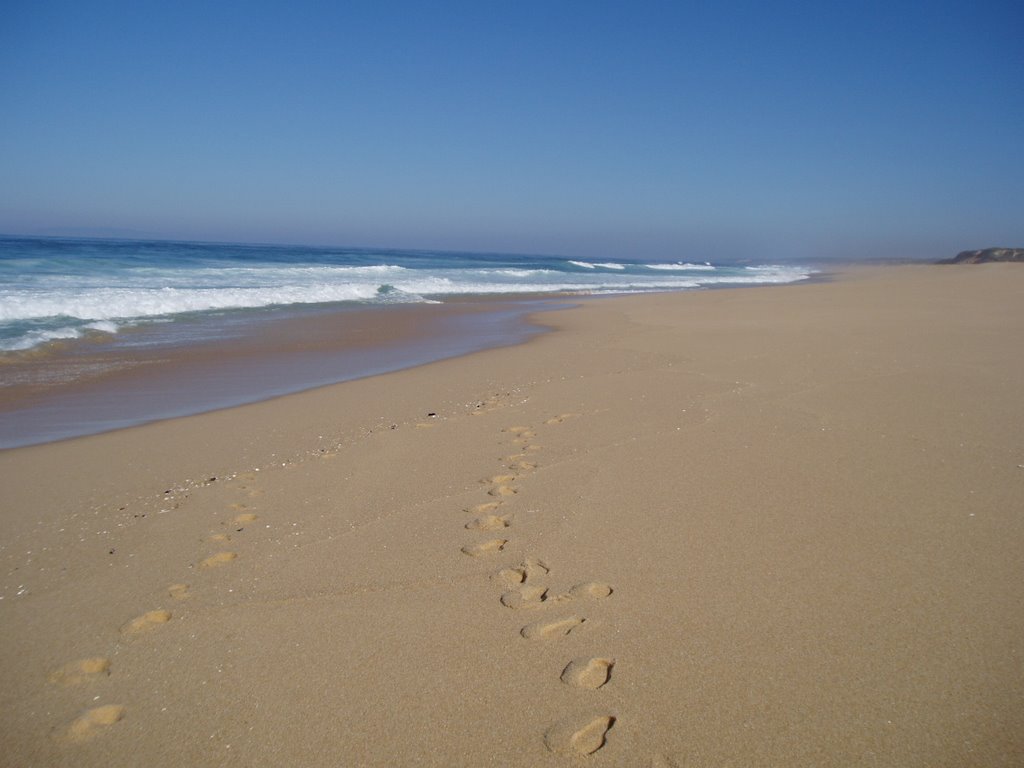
<point>760,527</point>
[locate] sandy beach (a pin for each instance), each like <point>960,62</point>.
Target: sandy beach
<point>771,526</point>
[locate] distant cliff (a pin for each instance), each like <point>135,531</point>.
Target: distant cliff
<point>986,255</point>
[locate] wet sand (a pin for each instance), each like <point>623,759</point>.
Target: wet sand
<point>162,371</point>
<point>770,526</point>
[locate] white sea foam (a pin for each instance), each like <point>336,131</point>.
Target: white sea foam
<point>104,326</point>
<point>98,304</point>
<point>774,268</point>
<point>681,266</point>
<point>780,275</point>
<point>598,264</point>
<point>36,337</point>
<point>517,272</point>
<point>121,303</point>
<point>68,298</point>
<point>437,286</point>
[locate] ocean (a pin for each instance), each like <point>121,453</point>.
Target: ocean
<point>75,312</point>
<point>53,289</point>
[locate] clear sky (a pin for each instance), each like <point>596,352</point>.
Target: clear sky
<point>625,129</point>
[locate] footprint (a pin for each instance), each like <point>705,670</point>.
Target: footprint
<point>485,548</point>
<point>535,568</point>
<point>219,537</point>
<point>546,629</point>
<point>533,448</point>
<point>221,558</point>
<point>488,523</point>
<point>246,517</point>
<point>179,592</point>
<point>580,735</point>
<point>498,480</point>
<point>588,673</point>
<point>664,761</point>
<point>524,597</point>
<point>519,430</point>
<point>518,462</point>
<point>480,509</point>
<point>502,490</point>
<point>81,671</point>
<point>510,576</point>
<point>587,591</point>
<point>592,590</point>
<point>90,722</point>
<point>559,419</point>
<point>246,482</point>
<point>532,568</point>
<point>145,622</point>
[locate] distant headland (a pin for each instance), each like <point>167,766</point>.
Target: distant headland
<point>986,255</point>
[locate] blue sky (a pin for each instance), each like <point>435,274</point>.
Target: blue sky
<point>595,129</point>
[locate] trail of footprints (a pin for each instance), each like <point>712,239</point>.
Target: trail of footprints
<point>523,588</point>
<point>87,672</point>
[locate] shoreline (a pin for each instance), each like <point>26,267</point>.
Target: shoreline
<point>758,527</point>
<point>116,384</point>
<point>122,387</point>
